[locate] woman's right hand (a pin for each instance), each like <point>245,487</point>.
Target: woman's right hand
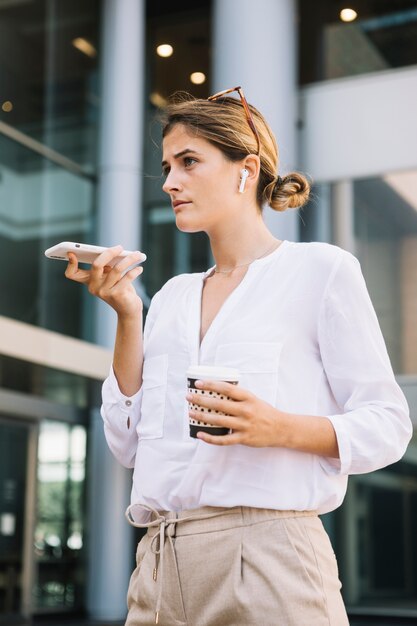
<point>108,283</point>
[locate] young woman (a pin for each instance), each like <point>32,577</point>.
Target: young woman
<point>234,537</point>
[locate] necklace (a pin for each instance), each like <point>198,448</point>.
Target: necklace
<point>245,264</point>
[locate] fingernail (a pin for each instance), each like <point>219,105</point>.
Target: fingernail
<point>199,384</point>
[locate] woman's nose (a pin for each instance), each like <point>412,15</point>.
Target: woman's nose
<point>170,184</point>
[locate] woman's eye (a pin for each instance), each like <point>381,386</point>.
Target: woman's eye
<point>187,162</point>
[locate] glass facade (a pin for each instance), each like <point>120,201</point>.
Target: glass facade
<point>41,203</point>
<point>186,28</point>
<point>374,530</point>
<point>382,36</point>
<point>49,113</point>
<point>43,448</point>
<point>49,53</point>
<point>385,219</point>
<point>383,505</point>
<point>375,538</point>
<point>63,388</point>
<point>384,238</point>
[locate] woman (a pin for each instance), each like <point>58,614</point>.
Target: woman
<point>234,537</point>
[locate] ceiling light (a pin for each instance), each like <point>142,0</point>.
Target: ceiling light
<point>157,100</point>
<point>198,78</point>
<point>7,106</point>
<point>164,50</point>
<point>348,15</point>
<point>84,46</point>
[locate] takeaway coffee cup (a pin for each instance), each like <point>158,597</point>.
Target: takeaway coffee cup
<point>208,372</point>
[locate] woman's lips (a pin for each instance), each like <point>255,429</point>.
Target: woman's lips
<point>181,204</point>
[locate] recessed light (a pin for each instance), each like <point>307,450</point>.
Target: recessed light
<point>348,15</point>
<point>84,46</point>
<point>7,106</point>
<point>158,100</point>
<point>198,78</point>
<point>164,50</point>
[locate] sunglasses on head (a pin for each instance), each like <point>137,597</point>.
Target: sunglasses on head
<point>246,108</point>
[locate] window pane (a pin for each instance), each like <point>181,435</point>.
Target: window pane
<point>40,205</point>
<point>383,36</point>
<point>48,75</point>
<point>59,534</point>
<point>386,244</point>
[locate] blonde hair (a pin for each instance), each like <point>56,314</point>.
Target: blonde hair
<point>224,124</point>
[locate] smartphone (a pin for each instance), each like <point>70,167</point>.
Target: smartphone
<point>85,253</point>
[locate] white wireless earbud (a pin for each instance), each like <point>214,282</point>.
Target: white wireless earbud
<point>243,176</point>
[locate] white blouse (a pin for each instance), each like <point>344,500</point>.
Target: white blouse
<point>301,329</point>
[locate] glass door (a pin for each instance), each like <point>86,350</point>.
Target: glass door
<point>15,444</point>
<point>60,560</point>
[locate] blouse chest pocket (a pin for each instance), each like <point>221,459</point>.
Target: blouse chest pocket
<point>257,363</point>
<point>154,390</point>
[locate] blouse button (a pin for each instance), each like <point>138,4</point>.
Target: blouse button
<point>128,402</point>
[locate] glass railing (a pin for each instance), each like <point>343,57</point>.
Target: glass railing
<point>382,36</point>
<point>370,45</point>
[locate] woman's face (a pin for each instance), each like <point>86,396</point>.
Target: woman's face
<point>198,174</point>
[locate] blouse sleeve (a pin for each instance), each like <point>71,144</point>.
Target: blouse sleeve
<point>373,428</point>
<point>120,413</point>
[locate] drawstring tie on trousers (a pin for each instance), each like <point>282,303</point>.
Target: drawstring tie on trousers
<point>157,546</point>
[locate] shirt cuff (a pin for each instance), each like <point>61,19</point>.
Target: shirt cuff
<point>126,404</point>
<point>340,466</point>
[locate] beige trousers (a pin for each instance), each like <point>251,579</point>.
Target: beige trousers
<point>235,567</point>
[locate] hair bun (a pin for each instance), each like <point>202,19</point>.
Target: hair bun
<point>289,192</point>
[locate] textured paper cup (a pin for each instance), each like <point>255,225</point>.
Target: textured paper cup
<point>208,372</point>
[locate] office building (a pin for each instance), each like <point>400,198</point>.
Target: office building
<point>81,85</point>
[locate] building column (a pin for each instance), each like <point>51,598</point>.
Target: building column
<point>408,291</point>
<point>255,45</point>
<point>344,218</point>
<point>111,554</point>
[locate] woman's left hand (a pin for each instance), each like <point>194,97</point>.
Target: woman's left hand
<point>253,421</point>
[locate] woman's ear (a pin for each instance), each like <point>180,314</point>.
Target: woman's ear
<point>249,172</point>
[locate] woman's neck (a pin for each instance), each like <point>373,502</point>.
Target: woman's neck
<point>240,246</point>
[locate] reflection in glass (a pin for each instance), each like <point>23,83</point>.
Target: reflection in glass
<point>385,211</point>
<point>174,252</point>
<point>13,467</point>
<point>377,542</point>
<point>179,44</point>
<point>52,85</point>
<point>60,387</point>
<point>383,36</point>
<point>59,529</point>
<point>40,204</point>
